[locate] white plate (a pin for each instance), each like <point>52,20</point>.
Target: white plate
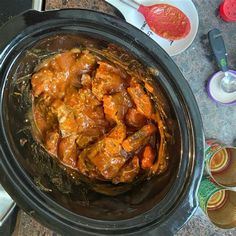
<point>135,18</point>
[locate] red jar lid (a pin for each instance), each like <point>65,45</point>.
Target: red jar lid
<point>228,10</point>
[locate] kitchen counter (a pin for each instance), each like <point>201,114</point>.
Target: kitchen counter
<point>197,64</point>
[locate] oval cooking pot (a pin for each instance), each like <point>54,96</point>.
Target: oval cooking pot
<point>159,206</point>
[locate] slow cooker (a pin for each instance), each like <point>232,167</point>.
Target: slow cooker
<point>39,185</point>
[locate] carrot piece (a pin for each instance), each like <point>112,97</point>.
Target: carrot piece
<point>148,157</point>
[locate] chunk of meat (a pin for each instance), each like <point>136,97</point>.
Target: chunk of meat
<point>141,99</point>
<point>67,151</point>
<point>83,64</point>
<point>67,121</point>
<point>139,138</point>
<point>60,72</point>
<point>72,63</point>
<point>87,98</point>
<point>106,154</point>
<point>51,141</point>
<point>45,81</point>
<point>81,98</point>
<point>86,167</point>
<point>128,172</point>
<point>148,157</point>
<point>80,111</point>
<point>42,82</point>
<point>84,164</point>
<point>89,112</point>
<point>87,118</point>
<point>108,159</point>
<point>108,79</point>
<point>71,98</point>
<point>63,62</point>
<point>116,106</point>
<point>87,137</point>
<point>134,118</point>
<point>118,133</point>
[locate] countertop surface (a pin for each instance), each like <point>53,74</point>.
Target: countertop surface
<point>197,64</point>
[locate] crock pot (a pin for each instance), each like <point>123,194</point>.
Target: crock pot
<point>34,180</point>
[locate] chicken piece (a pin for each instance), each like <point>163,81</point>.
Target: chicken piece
<point>86,167</point>
<point>87,137</point>
<point>46,81</point>
<point>73,62</point>
<point>61,71</point>
<point>67,151</point>
<point>67,121</point>
<point>89,118</point>
<point>108,165</point>
<point>51,141</point>
<point>83,159</point>
<point>74,65</point>
<point>106,154</point>
<point>108,159</point>
<point>134,118</point>
<point>89,112</point>
<point>53,76</point>
<point>141,99</point>
<point>138,139</point>
<point>108,79</point>
<point>81,165</point>
<point>100,167</point>
<point>83,64</point>
<point>81,98</point>
<point>72,96</point>
<point>128,172</point>
<point>148,157</point>
<point>118,133</point>
<point>116,106</point>
<point>42,82</point>
<point>63,62</point>
<point>87,98</point>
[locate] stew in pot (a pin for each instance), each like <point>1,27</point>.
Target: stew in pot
<point>97,118</point>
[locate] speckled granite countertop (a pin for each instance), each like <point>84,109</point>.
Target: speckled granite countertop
<point>197,65</point>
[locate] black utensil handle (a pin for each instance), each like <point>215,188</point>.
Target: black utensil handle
<point>218,47</point>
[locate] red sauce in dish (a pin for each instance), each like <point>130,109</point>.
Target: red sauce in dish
<point>167,21</point>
